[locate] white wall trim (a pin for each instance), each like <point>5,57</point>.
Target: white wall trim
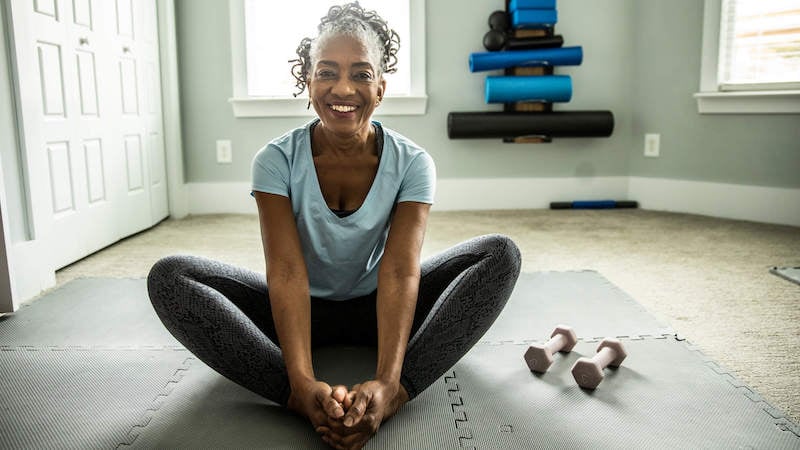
<point>712,100</point>
<point>730,201</point>
<point>460,194</point>
<point>452,193</point>
<point>171,109</point>
<point>7,294</point>
<point>220,198</point>
<point>754,203</point>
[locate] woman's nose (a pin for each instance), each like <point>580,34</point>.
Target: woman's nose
<point>343,87</point>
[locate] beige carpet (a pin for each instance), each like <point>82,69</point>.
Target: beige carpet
<point>708,278</point>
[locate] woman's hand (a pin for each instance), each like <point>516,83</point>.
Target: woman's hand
<point>316,401</point>
<point>368,405</point>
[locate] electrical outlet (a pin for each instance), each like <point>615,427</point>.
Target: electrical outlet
<point>652,142</point>
<point>224,152</point>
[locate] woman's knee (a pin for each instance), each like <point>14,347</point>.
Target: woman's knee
<point>503,250</point>
<point>166,273</point>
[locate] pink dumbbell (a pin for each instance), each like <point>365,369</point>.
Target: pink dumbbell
<point>589,372</point>
<point>539,357</point>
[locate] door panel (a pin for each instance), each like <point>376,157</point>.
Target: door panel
<point>95,172</point>
<point>60,177</point>
<point>51,75</point>
<point>82,13</point>
<point>88,80</point>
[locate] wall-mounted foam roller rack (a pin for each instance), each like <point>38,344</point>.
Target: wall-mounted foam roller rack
<point>522,43</point>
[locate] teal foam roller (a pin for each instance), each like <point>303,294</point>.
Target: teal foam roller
<point>531,4</point>
<point>534,18</point>
<point>564,56</point>
<point>549,88</point>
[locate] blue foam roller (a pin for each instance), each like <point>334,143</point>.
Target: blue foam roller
<point>594,204</point>
<point>534,18</point>
<point>548,88</point>
<point>564,56</point>
<point>531,4</point>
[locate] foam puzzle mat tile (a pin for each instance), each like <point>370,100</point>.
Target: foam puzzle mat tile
<point>585,300</point>
<point>62,398</point>
<point>664,395</point>
<point>90,366</point>
<point>209,411</point>
<point>89,312</point>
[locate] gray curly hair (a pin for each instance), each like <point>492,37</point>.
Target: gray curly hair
<point>381,42</point>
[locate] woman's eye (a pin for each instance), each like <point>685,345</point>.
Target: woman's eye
<point>363,76</point>
<point>326,74</point>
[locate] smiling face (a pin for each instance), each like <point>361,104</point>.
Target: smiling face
<point>345,87</point>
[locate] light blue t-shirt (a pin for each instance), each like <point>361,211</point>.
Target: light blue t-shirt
<point>342,254</point>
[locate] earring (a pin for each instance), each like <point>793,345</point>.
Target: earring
<point>309,104</point>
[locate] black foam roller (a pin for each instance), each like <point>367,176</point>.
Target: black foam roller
<point>487,125</point>
<point>531,43</point>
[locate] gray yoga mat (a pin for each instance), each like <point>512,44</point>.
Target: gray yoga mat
<point>207,410</point>
<point>664,395</point>
<point>89,312</point>
<point>585,300</point>
<point>81,398</point>
<point>788,273</point>
<point>90,366</point>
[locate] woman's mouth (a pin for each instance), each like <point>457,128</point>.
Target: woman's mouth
<point>340,108</point>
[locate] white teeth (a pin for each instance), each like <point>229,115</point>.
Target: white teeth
<point>343,108</point>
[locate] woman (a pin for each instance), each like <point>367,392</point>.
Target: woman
<point>343,204</point>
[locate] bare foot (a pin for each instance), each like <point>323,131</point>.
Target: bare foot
<point>368,405</point>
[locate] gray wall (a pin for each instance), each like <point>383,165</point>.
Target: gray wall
<point>9,153</point>
<point>454,29</point>
<point>741,149</point>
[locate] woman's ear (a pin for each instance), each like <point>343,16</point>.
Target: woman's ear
<point>381,89</point>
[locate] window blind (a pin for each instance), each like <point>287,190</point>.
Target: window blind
<point>759,45</point>
<point>273,31</point>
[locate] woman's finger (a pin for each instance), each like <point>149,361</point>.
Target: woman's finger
<point>331,407</point>
<point>339,393</point>
<point>357,409</point>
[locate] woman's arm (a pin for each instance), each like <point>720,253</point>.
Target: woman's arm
<point>287,281</point>
<point>398,285</point>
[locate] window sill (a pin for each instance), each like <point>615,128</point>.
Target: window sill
<point>296,107</point>
<point>748,102</point>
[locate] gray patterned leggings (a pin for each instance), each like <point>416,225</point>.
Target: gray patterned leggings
<point>222,314</point>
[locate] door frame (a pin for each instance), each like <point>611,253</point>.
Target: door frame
<point>22,275</point>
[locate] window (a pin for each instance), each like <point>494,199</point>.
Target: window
<point>751,57</point>
<point>265,35</point>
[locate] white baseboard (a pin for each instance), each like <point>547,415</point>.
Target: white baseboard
<point>732,201</point>
<point>221,198</point>
<point>454,194</point>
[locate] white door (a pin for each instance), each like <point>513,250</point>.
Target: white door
<point>87,75</point>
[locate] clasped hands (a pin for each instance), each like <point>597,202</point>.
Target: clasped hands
<point>347,419</point>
